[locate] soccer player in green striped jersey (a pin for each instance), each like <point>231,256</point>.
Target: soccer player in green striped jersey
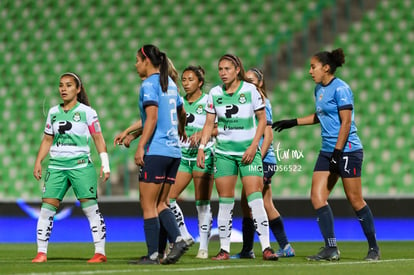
<point>240,112</point>
<point>69,129</point>
<point>192,80</point>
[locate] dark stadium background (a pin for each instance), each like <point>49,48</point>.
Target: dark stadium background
<point>39,40</point>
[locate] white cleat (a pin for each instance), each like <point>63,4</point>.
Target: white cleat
<point>202,254</point>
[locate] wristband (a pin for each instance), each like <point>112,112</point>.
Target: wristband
<point>105,162</point>
<point>201,147</point>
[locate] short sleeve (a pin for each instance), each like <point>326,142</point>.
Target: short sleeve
<point>210,104</point>
<point>344,98</point>
<point>149,94</point>
<point>257,100</point>
<point>48,125</point>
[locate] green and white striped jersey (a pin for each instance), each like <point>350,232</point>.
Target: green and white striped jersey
<point>196,117</point>
<point>236,117</point>
<point>72,135</point>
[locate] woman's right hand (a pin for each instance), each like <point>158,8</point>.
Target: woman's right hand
<point>284,124</point>
<point>128,139</point>
<point>119,138</point>
<point>37,171</point>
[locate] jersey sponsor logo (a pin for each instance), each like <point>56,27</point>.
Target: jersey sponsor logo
<point>319,111</point>
<point>190,119</point>
<point>219,100</point>
<point>64,126</point>
<point>228,127</point>
<point>242,99</point>
<point>76,117</point>
<point>231,110</point>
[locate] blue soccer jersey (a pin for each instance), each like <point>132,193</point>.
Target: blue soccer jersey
<point>330,99</point>
<point>165,139</point>
<point>270,156</point>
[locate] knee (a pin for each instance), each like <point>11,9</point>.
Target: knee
<point>318,201</point>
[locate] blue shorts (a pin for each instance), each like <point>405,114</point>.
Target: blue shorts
<point>269,170</point>
<point>159,169</point>
<point>350,165</point>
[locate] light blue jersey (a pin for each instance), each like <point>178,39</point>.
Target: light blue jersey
<point>330,99</point>
<point>165,139</point>
<point>270,156</point>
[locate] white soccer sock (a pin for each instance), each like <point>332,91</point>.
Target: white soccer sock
<point>44,226</point>
<point>97,225</point>
<point>179,217</point>
<point>225,222</point>
<point>261,222</point>
<point>205,219</point>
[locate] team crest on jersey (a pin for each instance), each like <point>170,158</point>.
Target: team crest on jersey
<point>76,117</point>
<point>199,109</point>
<point>320,97</point>
<point>242,99</point>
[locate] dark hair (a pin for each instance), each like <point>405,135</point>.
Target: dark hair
<point>198,71</point>
<point>334,59</point>
<point>260,77</point>
<point>237,63</point>
<point>82,97</point>
<point>159,60</point>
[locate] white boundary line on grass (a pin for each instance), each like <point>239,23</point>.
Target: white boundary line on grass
<point>192,269</point>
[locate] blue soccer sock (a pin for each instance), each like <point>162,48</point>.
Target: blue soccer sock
<point>168,221</point>
<point>278,229</point>
<point>366,220</point>
<point>152,229</point>
<point>248,230</point>
<point>326,225</point>
<point>162,242</point>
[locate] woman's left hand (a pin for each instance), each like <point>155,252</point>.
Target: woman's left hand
<point>248,155</point>
<point>139,156</point>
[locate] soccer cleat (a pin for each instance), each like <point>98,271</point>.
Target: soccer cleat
<point>40,258</point>
<point>327,254</point>
<point>269,255</point>
<point>373,255</point>
<point>178,249</point>
<point>222,255</point>
<point>189,242</point>
<point>97,258</point>
<point>145,260</point>
<point>243,255</point>
<point>202,254</point>
<point>287,251</point>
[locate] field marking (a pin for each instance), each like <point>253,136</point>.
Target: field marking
<point>218,267</point>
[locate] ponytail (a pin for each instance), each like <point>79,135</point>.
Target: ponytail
<point>159,60</point>
<point>334,59</point>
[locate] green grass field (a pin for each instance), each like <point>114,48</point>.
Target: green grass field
<point>70,258</point>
